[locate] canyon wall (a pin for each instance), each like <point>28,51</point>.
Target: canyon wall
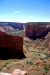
<point>35,31</point>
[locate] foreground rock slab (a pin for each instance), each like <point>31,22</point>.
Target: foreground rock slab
<point>19,72</point>
<point>16,72</point>
<point>5,74</point>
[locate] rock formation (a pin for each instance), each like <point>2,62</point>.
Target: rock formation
<point>35,31</point>
<point>10,44</point>
<point>15,72</point>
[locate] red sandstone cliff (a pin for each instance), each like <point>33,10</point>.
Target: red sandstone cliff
<point>36,31</point>
<point>11,42</point>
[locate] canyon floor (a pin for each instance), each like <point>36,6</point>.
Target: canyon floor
<point>37,61</point>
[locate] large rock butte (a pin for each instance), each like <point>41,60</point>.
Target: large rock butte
<point>10,44</point>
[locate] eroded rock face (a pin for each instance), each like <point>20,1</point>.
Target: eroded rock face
<point>10,41</point>
<point>36,31</point>
<point>10,44</point>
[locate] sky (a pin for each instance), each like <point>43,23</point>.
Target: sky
<point>25,10</point>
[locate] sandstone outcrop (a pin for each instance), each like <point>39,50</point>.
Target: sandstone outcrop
<point>36,31</point>
<point>10,44</point>
<point>15,72</point>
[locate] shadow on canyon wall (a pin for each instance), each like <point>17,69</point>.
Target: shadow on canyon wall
<point>34,37</point>
<point>36,32</point>
<point>10,54</point>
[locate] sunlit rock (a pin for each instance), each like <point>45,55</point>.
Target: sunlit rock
<point>19,72</point>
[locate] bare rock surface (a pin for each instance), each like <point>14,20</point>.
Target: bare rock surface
<point>15,72</point>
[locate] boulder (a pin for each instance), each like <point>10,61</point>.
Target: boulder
<point>19,72</point>
<point>15,72</point>
<point>5,74</point>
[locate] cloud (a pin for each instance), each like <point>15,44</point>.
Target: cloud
<point>17,12</point>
